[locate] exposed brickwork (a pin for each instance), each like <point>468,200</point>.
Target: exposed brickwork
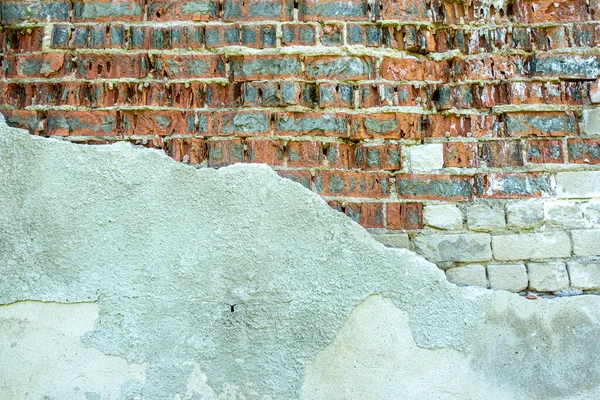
<point>335,95</point>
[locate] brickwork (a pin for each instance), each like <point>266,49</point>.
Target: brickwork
<point>387,109</point>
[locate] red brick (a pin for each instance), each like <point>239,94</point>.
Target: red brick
<point>257,10</point>
<point>298,35</point>
<point>311,124</point>
<point>82,123</point>
<point>22,40</point>
<point>182,10</point>
<point>189,67</point>
<point>501,153</point>
<point>402,69</point>
<point>584,151</point>
<point>270,152</point>
<point>541,124</point>
<point>304,154</point>
<point>461,155</point>
<point>303,177</point>
<point>352,184</point>
<point>222,35</point>
<point>108,10</point>
<point>545,152</point>
<point>495,67</point>
<point>508,185</point>
<point>242,123</point>
<point>528,11</point>
<point>336,95</point>
<point>405,11</point>
<point>434,187</point>
<point>385,126</point>
<point>251,68</point>
<point>323,10</point>
<point>407,216</point>
<point>376,157</point>
<point>439,126</point>
<point>161,123</point>
<point>338,155</point>
<point>368,215</point>
<point>259,36</point>
<point>24,119</point>
<point>225,152</point>
<point>191,150</point>
<point>108,66</point>
<point>220,96</point>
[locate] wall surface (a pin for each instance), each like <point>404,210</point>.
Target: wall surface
<point>126,275</point>
<point>429,122</point>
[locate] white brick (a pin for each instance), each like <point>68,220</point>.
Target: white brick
<point>584,275</point>
<point>468,275</point>
<point>426,157</point>
<point>448,217</point>
<point>527,246</point>
<point>397,240</point>
<point>484,218</point>
<point>466,247</point>
<point>561,214</point>
<point>578,184</point>
<point>511,277</point>
<point>591,122</point>
<point>548,277</point>
<point>525,214</point>
<point>586,242</point>
<point>592,213</point>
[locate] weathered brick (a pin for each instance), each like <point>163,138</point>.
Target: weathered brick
<point>108,10</point>
<point>340,95</point>
<point>182,10</point>
<point>94,66</point>
<point>82,123</point>
<point>17,11</point>
<point>332,35</point>
<point>338,155</point>
<point>541,124</point>
<point>304,154</point>
<point>243,123</point>
<point>407,216</point>
<point>249,68</point>
<point>322,10</point>
<point>378,157</point>
<point>303,177</point>
<point>260,37</point>
<point>368,215</point>
<point>565,66</point>
<point>501,153</point>
<point>22,40</point>
<point>37,66</point>
<point>544,151</point>
<point>506,185</point>
<point>160,123</point>
<point>196,66</point>
<point>434,187</point>
<point>298,35</point>
<point>405,10</point>
<point>312,124</point>
<point>529,11</point>
<point>270,152</point>
<point>189,150</point>
<point>342,68</point>
<point>461,155</point>
<point>24,119</point>
<point>261,93</point>
<point>385,126</point>
<point>494,67</point>
<point>584,151</point>
<point>257,10</point>
<point>219,96</point>
<point>366,35</point>
<point>225,152</point>
<point>352,184</point>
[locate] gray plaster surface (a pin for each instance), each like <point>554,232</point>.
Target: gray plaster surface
<point>238,284</point>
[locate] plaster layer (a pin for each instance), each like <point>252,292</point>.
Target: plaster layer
<point>236,283</point>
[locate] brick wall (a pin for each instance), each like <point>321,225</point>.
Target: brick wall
<point>430,122</point>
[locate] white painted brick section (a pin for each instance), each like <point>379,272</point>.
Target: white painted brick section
<point>448,217</point>
<point>466,247</point>
<point>483,218</point>
<point>591,122</point>
<point>468,275</point>
<point>548,277</point>
<point>426,157</point>
<point>525,214</point>
<point>531,246</point>
<point>586,242</point>
<point>397,240</point>
<point>561,214</point>
<point>511,277</point>
<point>578,184</point>
<point>584,275</point>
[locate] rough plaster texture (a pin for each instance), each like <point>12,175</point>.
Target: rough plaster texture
<point>235,283</point>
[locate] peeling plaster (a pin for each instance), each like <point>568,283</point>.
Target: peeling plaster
<point>236,282</point>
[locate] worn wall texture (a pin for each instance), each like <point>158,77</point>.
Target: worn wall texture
<point>126,275</point>
<point>428,121</point>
